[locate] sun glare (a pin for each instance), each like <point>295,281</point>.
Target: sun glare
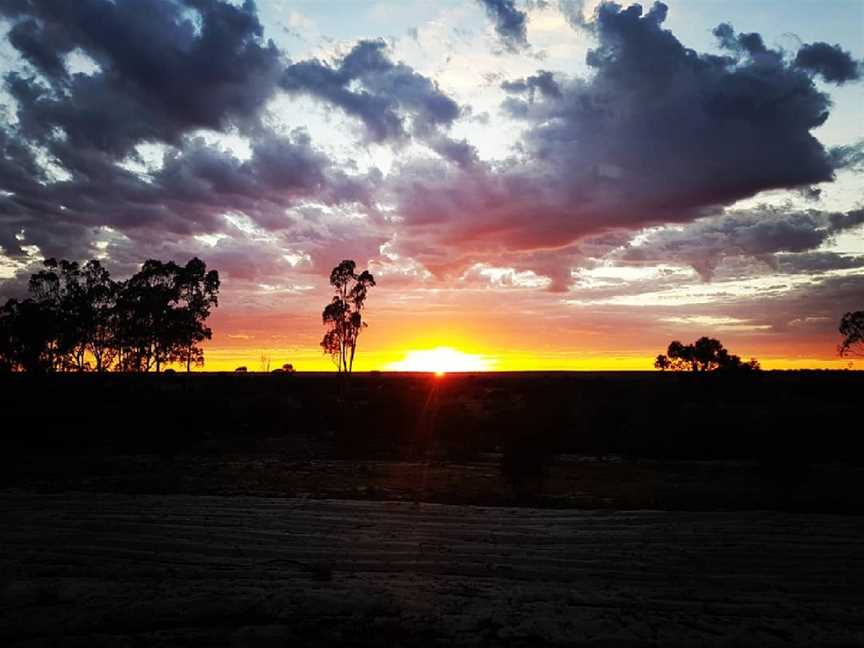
<point>441,360</point>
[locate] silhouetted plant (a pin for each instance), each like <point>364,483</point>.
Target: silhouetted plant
<point>97,299</point>
<point>852,330</point>
<point>27,337</point>
<point>77,313</point>
<point>162,310</point>
<point>198,291</point>
<point>57,289</point>
<point>343,315</point>
<point>265,363</point>
<point>81,300</point>
<point>6,340</point>
<point>149,322</point>
<point>705,354</point>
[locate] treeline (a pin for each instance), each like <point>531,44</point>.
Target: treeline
<point>705,354</point>
<point>77,318</point>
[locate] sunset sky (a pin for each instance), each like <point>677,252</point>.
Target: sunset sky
<point>533,184</point>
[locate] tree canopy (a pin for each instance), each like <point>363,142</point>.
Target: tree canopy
<point>852,330</point>
<point>704,355</point>
<point>77,318</point>
<point>343,315</point>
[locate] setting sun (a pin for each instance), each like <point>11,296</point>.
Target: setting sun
<point>441,360</point>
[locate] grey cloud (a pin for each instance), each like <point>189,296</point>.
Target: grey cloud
<point>160,74</point>
<point>196,185</point>
<point>460,152</point>
<point>822,303</point>
<point>542,82</point>
<point>510,23</point>
<point>850,156</point>
<point>759,233</point>
<point>817,262</point>
<point>831,62</point>
<point>164,69</point>
<point>658,134</point>
<point>43,45</point>
<point>751,44</point>
<point>388,92</point>
<point>573,12</point>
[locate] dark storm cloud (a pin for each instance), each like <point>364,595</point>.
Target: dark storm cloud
<point>510,23</point>
<point>831,62</point>
<point>758,233</point>
<point>159,216</point>
<point>388,92</point>
<point>281,171</point>
<point>751,43</point>
<point>659,133</point>
<point>43,46</point>
<point>163,71</point>
<point>196,185</point>
<point>679,130</point>
<point>164,68</point>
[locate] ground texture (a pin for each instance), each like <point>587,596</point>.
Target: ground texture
<point>107,569</point>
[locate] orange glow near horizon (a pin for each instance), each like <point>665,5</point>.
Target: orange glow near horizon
<point>460,339</point>
<point>449,359</point>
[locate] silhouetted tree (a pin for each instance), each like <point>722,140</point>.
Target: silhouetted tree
<point>27,336</point>
<point>343,315</point>
<point>98,300</point>
<point>127,347</point>
<point>150,325</point>
<point>77,313</point>
<point>7,345</point>
<point>82,300</point>
<point>852,330</point>
<point>705,354</point>
<point>198,292</point>
<point>161,312</point>
<point>57,290</point>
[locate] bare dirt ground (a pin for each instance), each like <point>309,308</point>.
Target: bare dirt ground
<point>110,569</point>
<point>582,482</point>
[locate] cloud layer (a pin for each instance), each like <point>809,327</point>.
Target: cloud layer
<point>143,127</point>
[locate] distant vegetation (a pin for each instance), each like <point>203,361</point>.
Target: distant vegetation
<point>852,330</point>
<point>705,354</point>
<point>343,315</point>
<point>79,319</point>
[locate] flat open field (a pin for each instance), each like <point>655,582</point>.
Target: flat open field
<point>117,570</point>
<point>292,510</point>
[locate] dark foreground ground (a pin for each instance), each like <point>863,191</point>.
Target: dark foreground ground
<point>93,570</point>
<point>289,510</point>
